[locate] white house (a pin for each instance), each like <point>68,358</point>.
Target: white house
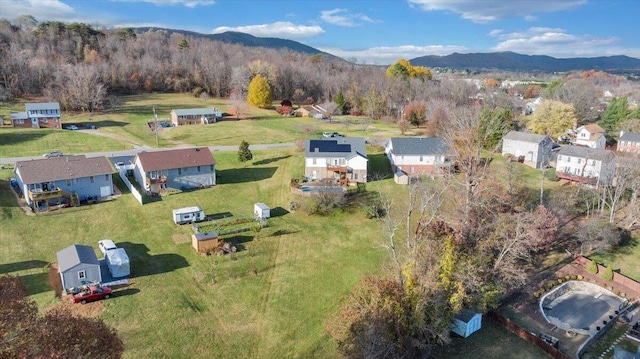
<point>586,165</point>
<point>340,159</point>
<point>418,155</point>
<point>629,142</point>
<point>591,135</point>
<point>536,149</point>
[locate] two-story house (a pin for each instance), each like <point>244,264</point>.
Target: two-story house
<point>533,148</point>
<point>37,115</point>
<point>629,142</point>
<point>184,168</point>
<point>191,116</point>
<point>340,159</point>
<point>419,155</point>
<point>66,179</point>
<point>587,165</point>
<point>591,135</point>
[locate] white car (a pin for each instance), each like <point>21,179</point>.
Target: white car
<point>72,127</point>
<point>106,245</point>
<point>52,154</point>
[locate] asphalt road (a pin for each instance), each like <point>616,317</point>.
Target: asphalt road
<point>124,156</point>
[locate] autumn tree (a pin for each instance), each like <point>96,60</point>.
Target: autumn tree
<point>583,95</point>
<point>402,69</point>
<point>414,113</point>
<point>238,103</point>
<point>553,118</point>
<point>56,334</point>
<point>259,92</point>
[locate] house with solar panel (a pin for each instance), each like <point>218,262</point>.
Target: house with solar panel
<point>341,160</point>
<point>193,116</point>
<point>418,156</point>
<point>182,169</point>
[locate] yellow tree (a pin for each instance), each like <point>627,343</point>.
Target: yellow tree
<point>404,70</point>
<point>259,92</point>
<point>553,118</point>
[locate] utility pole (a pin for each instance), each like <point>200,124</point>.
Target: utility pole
<point>155,115</point>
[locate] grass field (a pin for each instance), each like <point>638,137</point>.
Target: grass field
<point>271,298</point>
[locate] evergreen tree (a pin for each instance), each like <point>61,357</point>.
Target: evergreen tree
<point>259,92</point>
<point>617,112</point>
<point>341,102</point>
<point>244,153</point>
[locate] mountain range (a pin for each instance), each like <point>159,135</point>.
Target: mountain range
<point>506,61</point>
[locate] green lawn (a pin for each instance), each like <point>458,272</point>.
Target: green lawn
<point>625,258</point>
<point>268,300</point>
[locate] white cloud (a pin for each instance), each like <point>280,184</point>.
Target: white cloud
<point>492,10</point>
<point>388,55</point>
<point>342,17</point>
<point>557,42</point>
<point>283,29</point>
<point>187,3</point>
<point>39,9</point>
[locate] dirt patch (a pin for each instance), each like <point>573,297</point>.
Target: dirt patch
<point>89,310</point>
<point>54,279</point>
<point>180,238</point>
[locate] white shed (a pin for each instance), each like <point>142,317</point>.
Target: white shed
<point>261,211</point>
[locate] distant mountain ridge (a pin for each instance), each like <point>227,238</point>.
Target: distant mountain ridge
<point>507,61</point>
<point>511,61</point>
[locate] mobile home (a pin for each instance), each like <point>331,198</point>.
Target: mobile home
<point>188,215</point>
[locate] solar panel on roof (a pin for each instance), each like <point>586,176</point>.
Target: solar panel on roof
<point>328,146</point>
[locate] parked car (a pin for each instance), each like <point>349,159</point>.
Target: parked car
<point>336,134</point>
<point>326,134</point>
<point>90,294</point>
<point>72,127</point>
<point>52,154</point>
<point>331,134</point>
<point>106,245</point>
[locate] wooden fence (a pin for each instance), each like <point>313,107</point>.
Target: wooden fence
<point>617,277</point>
<point>531,338</point>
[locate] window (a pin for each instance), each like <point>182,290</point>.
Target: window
<point>211,168</point>
<point>579,160</point>
<point>106,178</point>
<point>92,179</point>
<point>68,182</point>
<point>20,122</point>
<point>355,176</point>
<point>314,161</point>
<point>559,158</point>
<point>198,168</point>
<point>420,158</point>
<point>593,162</point>
<point>179,171</point>
<point>82,274</point>
<point>44,120</point>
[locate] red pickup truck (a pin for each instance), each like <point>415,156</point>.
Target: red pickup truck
<point>90,294</point>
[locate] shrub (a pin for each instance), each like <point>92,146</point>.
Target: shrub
<point>550,285</point>
<point>580,277</point>
<point>567,277</point>
<point>592,267</point>
<point>542,290</point>
<point>623,295</point>
<point>196,92</point>
<point>617,292</point>
<point>559,280</point>
<point>608,274</point>
<point>574,277</point>
<point>536,294</point>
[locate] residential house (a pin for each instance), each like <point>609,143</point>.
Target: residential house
<point>78,266</point>
<point>304,111</point>
<point>530,107</point>
<point>37,115</point>
<point>533,149</point>
<point>586,165</point>
<point>66,179</point>
<point>340,159</point>
<point>629,142</point>
<point>185,168</point>
<point>191,116</point>
<point>418,155</point>
<point>591,135</point>
<point>314,111</point>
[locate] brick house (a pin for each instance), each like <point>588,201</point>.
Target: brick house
<point>37,115</point>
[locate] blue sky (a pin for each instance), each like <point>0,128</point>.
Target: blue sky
<point>378,31</point>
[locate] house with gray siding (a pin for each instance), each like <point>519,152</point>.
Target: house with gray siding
<point>419,155</point>
<point>586,165</point>
<point>182,169</point>
<point>66,179</point>
<point>339,159</point>
<point>533,149</point>
<point>189,116</point>
<point>78,265</point>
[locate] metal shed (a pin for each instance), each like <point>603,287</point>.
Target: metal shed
<point>78,265</point>
<point>466,322</point>
<point>261,211</point>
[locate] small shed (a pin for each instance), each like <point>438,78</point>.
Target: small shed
<point>466,322</point>
<point>206,241</point>
<point>188,215</point>
<point>261,211</point>
<point>400,177</point>
<point>78,265</point>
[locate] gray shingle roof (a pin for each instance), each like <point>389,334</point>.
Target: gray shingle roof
<point>340,147</point>
<point>170,159</point>
<point>419,146</point>
<point>62,168</point>
<point>524,137</point>
<point>630,136</point>
<point>42,106</point>
<point>74,255</point>
<point>586,152</point>
<point>195,112</point>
